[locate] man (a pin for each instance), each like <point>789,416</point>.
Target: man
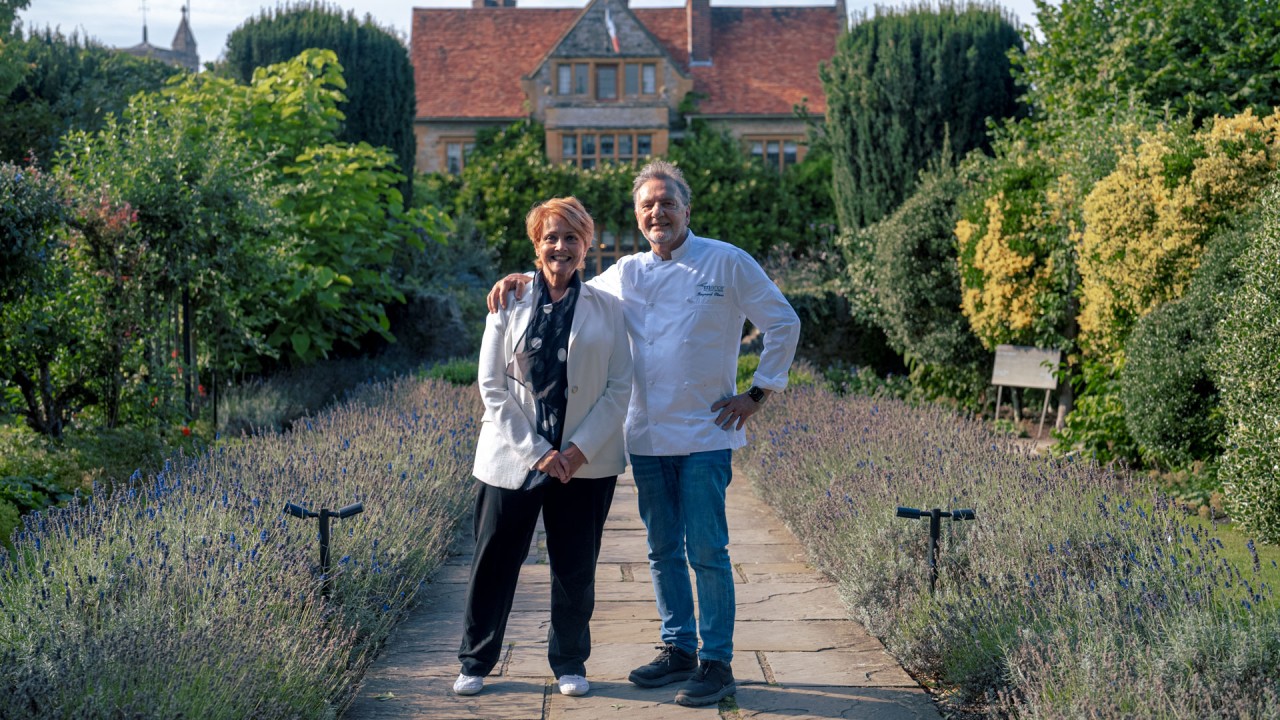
<point>684,304</point>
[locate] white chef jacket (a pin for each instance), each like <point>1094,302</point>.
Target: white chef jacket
<point>685,317</point>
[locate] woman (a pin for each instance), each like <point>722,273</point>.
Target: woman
<point>555,376</point>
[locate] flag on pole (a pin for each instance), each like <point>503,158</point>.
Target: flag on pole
<point>613,31</point>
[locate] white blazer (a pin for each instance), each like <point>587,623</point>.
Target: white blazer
<point>599,372</point>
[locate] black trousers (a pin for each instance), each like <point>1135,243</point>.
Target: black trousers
<point>573,515</point>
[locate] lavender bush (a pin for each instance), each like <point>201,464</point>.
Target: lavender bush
<point>1075,593</point>
<point>190,594</point>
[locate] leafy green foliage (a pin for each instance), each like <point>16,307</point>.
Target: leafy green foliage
<point>69,84</point>
<point>282,234</point>
<point>834,325</point>
<point>1202,57</point>
<point>458,371</point>
<point>44,318</point>
<point>379,94</point>
<point>1171,400</point>
<point>902,83</point>
<point>1097,425</point>
<point>504,176</point>
<point>1248,368</point>
<point>30,215</point>
<point>10,67</point>
<point>735,198</point>
<point>740,200</point>
<point>800,375</point>
<point>204,225</point>
<point>918,283</point>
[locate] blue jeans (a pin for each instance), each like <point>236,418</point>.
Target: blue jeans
<point>682,505</point>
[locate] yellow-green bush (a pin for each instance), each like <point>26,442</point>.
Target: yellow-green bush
<point>1146,224</point>
<point>1014,274</point>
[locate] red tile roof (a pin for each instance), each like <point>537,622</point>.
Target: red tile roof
<point>468,62</point>
<point>764,60</point>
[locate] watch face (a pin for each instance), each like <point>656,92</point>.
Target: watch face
<point>756,394</point>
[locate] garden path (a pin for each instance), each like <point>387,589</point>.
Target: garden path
<point>798,655</point>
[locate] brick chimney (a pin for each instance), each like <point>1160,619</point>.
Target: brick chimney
<point>698,18</point>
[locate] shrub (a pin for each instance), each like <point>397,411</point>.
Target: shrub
<point>829,332</point>
<point>917,285</point>
<point>801,374</point>
<point>1073,594</point>
<point>837,322</point>
<point>190,594</point>
<point>275,403</point>
<point>1147,223</point>
<point>1171,401</point>
<point>1168,396</point>
<point>905,82</point>
<point>1014,255</point>
<point>458,371</point>
<point>1097,425</point>
<point>1248,366</point>
<point>10,520</point>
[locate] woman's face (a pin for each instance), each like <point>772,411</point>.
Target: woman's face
<point>560,249</point>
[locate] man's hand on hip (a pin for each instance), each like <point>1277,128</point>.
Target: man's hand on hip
<point>735,410</point>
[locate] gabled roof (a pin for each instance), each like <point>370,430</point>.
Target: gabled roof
<point>764,60</point>
<point>468,62</point>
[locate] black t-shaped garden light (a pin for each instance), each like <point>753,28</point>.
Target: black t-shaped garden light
<point>324,515</point>
<point>935,529</point>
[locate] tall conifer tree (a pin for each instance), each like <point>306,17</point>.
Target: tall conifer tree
<point>900,83</point>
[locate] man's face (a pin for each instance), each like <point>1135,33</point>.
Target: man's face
<point>662,218</point>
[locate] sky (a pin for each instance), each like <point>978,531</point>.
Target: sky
<point>118,23</point>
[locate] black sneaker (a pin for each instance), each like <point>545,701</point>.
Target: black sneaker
<point>711,682</point>
<point>671,665</point>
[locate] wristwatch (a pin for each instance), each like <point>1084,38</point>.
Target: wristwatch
<point>756,394</point>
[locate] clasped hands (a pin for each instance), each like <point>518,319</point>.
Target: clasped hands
<point>562,465</point>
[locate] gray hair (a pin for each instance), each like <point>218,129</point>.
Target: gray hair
<point>662,170</point>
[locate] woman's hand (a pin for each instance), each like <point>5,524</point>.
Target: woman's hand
<point>554,464</point>
<point>498,295</point>
<point>574,460</point>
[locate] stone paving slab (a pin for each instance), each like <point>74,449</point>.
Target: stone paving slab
<point>743,554</point>
<point>846,667</point>
<point>521,699</point>
<point>789,601</point>
<point>796,702</point>
<point>787,572</point>
<point>624,701</point>
<point>801,635</point>
<point>797,653</point>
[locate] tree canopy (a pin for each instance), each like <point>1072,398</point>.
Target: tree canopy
<point>68,84</point>
<point>1202,57</point>
<point>379,103</point>
<point>903,82</point>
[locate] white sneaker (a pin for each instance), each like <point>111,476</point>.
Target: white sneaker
<point>468,684</point>
<point>574,685</point>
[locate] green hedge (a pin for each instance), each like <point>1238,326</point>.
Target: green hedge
<point>1248,362</point>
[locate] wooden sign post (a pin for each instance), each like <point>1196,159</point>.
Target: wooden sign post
<point>1026,367</point>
